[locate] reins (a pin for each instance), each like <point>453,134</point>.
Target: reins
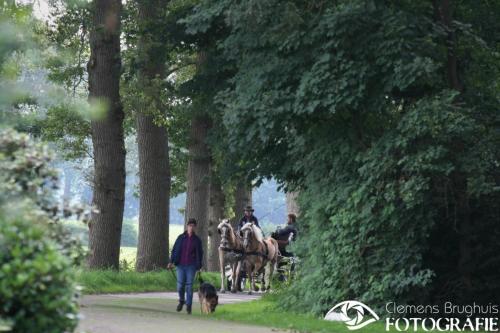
<point>244,253</point>
<point>227,249</point>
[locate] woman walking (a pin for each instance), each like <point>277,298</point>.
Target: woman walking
<point>187,255</point>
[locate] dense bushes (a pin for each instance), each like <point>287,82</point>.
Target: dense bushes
<point>389,128</point>
<point>37,290</point>
<point>386,227</point>
<point>37,293</point>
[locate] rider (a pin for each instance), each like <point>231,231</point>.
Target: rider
<point>283,235</point>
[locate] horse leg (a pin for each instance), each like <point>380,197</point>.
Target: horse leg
<point>222,271</point>
<point>235,277</point>
<point>271,271</point>
<point>265,277</point>
<point>252,280</point>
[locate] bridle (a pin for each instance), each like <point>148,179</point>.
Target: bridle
<point>246,240</point>
<point>223,237</point>
<point>225,243</point>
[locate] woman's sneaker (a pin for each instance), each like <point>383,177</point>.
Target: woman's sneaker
<point>180,305</point>
<point>188,308</point>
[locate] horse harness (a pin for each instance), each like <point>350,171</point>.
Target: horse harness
<point>251,253</point>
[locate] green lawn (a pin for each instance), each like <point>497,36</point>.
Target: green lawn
<point>107,281</point>
<point>129,231</point>
<point>265,312</point>
<point>127,281</point>
<point>127,253</point>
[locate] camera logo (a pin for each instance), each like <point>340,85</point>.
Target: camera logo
<point>352,314</point>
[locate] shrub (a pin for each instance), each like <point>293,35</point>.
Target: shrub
<point>27,175</point>
<point>37,290</point>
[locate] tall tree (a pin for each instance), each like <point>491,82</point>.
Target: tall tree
<point>292,206</point>
<point>104,69</point>
<point>242,198</point>
<point>392,140</point>
<point>152,139</point>
<point>198,177</point>
<point>215,214</point>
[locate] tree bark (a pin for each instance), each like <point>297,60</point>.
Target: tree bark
<point>216,213</point>
<point>107,136</point>
<point>444,13</point>
<point>68,181</point>
<point>466,266</point>
<point>242,198</point>
<point>152,141</point>
<point>292,206</point>
<point>197,200</point>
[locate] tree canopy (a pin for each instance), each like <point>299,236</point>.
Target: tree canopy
<point>385,115</point>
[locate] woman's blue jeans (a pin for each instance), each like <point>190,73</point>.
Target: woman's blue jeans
<point>185,277</point>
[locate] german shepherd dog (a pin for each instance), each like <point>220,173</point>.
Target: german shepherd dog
<point>208,296</point>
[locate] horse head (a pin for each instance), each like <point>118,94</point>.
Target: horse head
<point>225,230</point>
<point>250,232</point>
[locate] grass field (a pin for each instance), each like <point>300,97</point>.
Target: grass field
<point>129,233</point>
<point>127,253</point>
<point>265,312</point>
<point>127,281</point>
<point>107,281</point>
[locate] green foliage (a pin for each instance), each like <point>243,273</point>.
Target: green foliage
<point>96,282</point>
<point>28,178</point>
<point>348,102</point>
<point>25,168</point>
<point>37,292</point>
<point>66,126</point>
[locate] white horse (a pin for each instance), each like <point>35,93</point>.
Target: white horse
<point>258,253</point>
<point>230,251</point>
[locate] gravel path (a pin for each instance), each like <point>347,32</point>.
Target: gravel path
<point>155,313</point>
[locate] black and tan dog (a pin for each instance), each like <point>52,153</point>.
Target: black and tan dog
<point>208,296</point>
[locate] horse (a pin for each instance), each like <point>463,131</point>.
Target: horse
<point>258,252</point>
<point>230,251</point>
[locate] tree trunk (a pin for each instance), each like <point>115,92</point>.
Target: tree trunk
<point>444,13</point>
<point>152,141</point>
<point>68,180</point>
<point>216,213</point>
<point>107,136</point>
<point>466,265</point>
<point>242,198</point>
<point>198,175</point>
<point>292,206</point>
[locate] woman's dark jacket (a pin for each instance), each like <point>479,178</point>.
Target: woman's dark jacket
<point>175,258</point>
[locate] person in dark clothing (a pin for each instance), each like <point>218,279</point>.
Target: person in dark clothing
<point>187,256</point>
<point>283,235</point>
<point>248,217</point>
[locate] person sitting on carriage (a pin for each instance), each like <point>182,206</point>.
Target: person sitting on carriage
<point>284,235</point>
<point>248,217</point>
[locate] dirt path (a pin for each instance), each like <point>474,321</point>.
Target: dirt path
<point>155,313</point>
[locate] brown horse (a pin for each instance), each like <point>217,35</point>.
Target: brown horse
<point>230,252</point>
<point>259,252</point>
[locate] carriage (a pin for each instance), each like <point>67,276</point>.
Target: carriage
<point>285,266</point>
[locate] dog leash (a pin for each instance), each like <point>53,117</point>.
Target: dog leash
<point>173,274</point>
<point>198,276</point>
<point>200,279</point>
